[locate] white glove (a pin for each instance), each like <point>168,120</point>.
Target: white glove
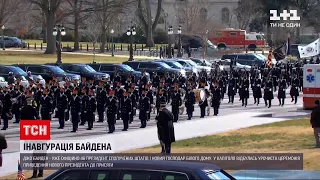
<point>56,109</point>
<point>79,113</point>
<point>66,110</point>
<point>85,111</point>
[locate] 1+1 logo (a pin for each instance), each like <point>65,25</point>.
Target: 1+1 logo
<point>292,15</point>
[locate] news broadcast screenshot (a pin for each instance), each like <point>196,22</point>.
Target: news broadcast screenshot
<point>159,89</point>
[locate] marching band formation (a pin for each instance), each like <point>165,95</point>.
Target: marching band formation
<point>80,102</point>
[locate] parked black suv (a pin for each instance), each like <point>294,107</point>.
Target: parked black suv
<point>48,71</point>
<point>245,59</point>
<point>17,72</point>
<point>83,70</point>
<point>122,69</point>
<point>151,67</point>
<point>176,65</point>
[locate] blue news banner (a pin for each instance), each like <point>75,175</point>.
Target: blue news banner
<point>228,161</point>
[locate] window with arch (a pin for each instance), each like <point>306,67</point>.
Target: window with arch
<point>225,16</point>
<point>203,14</point>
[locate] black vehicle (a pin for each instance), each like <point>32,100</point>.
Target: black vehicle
<point>122,69</point>
<point>48,71</point>
<point>145,170</point>
<point>17,72</point>
<point>151,67</point>
<point>245,59</point>
<point>83,70</point>
<point>176,65</point>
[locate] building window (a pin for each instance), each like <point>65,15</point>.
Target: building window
<point>225,16</point>
<point>203,14</point>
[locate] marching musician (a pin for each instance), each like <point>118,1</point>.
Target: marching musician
<point>142,82</point>
<point>268,93</point>
<point>161,99</point>
<point>190,100</point>
<point>133,99</point>
<point>112,109</point>
<point>117,79</point>
<point>282,91</point>
<point>126,107</point>
<point>16,104</point>
<point>119,94</point>
<point>144,108</point>
<point>129,81</point>
<point>257,94</point>
<point>231,89</point>
<point>216,98</point>
<point>46,103</point>
<point>294,92</point>
<point>68,93</point>
<point>91,109</point>
<point>85,100</point>
<point>76,109</point>
<point>203,103</point>
<point>176,103</point>
<point>62,107</point>
<point>11,78</point>
<point>7,110</point>
<point>150,96</point>
<point>101,96</point>
<point>245,91</point>
<point>155,80</point>
<point>222,85</point>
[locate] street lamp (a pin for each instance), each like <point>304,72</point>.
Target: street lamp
<point>131,32</point>
<point>59,31</point>
<point>112,50</point>
<point>179,55</point>
<point>4,44</point>
<point>170,32</point>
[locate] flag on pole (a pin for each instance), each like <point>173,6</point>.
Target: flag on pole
<point>281,52</point>
<point>309,50</point>
<point>20,175</point>
<point>269,59</point>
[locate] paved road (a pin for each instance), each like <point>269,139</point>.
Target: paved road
<point>288,110</point>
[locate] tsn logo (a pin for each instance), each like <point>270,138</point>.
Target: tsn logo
<point>292,15</point>
<point>35,130</point>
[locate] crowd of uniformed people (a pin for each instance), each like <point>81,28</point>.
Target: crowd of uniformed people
<point>80,102</point>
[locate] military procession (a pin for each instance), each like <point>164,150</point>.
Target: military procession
<point>111,100</point>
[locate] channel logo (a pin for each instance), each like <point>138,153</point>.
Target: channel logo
<point>35,130</point>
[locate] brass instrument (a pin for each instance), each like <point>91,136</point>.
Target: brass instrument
<point>201,96</point>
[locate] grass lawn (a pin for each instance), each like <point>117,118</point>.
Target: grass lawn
<point>294,136</point>
<point>28,57</point>
<point>84,44</point>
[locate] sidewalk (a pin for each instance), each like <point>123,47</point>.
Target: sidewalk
<point>141,138</point>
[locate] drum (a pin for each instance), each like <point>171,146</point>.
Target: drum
<point>197,93</point>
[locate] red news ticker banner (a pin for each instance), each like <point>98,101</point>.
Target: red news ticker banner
<point>35,130</point>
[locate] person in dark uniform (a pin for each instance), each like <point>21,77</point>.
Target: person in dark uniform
<point>133,99</point>
<point>216,99</point>
<point>257,94</point>
<point>7,110</point>
<point>231,89</point>
<point>282,91</point>
<point>91,109</point>
<point>101,96</point>
<point>29,112</point>
<point>126,107</point>
<point>315,122</point>
<point>161,99</point>
<point>144,107</point>
<point>203,103</point>
<point>11,79</point>
<point>3,145</point>
<point>62,107</point>
<point>16,105</point>
<point>294,91</point>
<point>112,108</point>
<point>119,94</point>
<point>190,100</point>
<point>165,128</point>
<point>245,91</point>
<point>76,109</point>
<point>155,80</point>
<point>46,103</point>
<point>143,82</point>
<point>268,93</point>
<point>176,103</point>
<point>68,93</point>
<point>85,100</point>
<point>150,96</point>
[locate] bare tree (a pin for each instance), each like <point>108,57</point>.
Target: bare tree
<point>7,9</point>
<point>49,8</point>
<point>145,16</point>
<point>246,11</point>
<point>93,31</point>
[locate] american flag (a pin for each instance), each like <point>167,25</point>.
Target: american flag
<point>20,175</point>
